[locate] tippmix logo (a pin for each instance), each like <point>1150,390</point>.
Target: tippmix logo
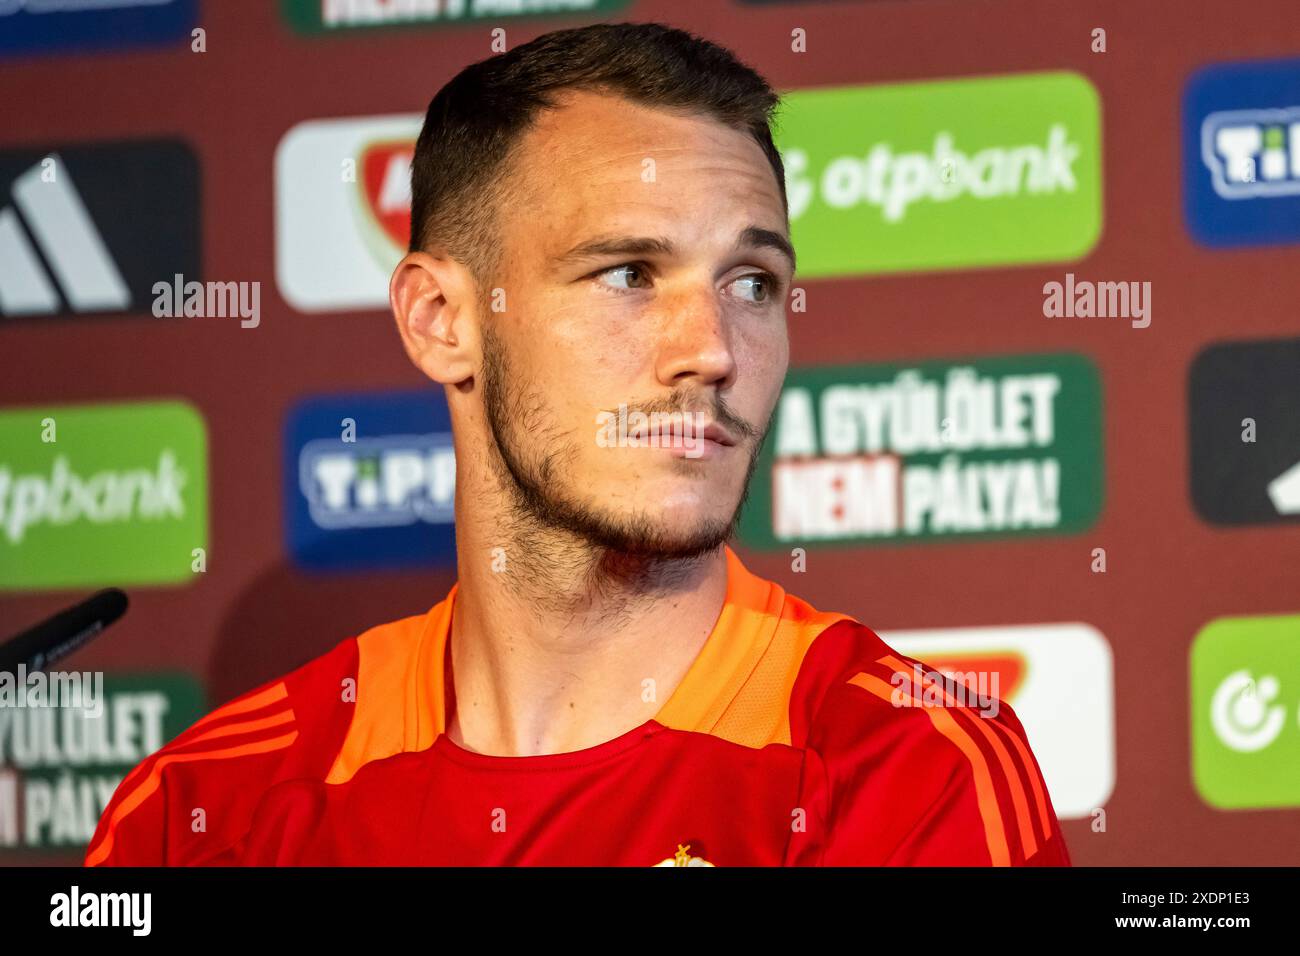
<point>1241,153</point>
<point>370,481</point>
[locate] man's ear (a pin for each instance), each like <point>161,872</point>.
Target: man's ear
<point>433,300</point>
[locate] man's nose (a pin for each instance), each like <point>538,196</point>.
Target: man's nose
<point>695,340</point>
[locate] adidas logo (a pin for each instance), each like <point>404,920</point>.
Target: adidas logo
<point>72,247</point>
<point>91,228</point>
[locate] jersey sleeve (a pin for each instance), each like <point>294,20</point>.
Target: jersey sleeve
<point>968,821</point>
<point>193,801</point>
<point>906,773</point>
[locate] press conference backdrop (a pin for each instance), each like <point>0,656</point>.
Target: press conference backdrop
<point>1042,421</point>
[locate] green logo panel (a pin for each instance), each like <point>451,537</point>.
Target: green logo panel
<point>950,174</point>
<point>327,16</point>
<point>1246,712</point>
<point>60,765</point>
<point>101,494</point>
<point>992,447</point>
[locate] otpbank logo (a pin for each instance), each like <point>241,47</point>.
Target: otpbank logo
<point>998,446</point>
<point>370,481</point>
<point>950,174</point>
<point>1246,712</point>
<point>1241,153</point>
<point>102,494</point>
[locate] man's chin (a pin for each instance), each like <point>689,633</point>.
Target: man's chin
<point>635,537</point>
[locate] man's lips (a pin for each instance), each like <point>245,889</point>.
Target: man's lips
<point>716,433</point>
<point>686,435</point>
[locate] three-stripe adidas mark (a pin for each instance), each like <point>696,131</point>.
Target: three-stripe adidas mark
<point>77,263</point>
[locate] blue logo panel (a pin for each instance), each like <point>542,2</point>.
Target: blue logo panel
<point>370,481</point>
<point>38,26</point>
<point>1241,153</point>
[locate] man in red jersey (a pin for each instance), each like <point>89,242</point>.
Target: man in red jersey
<point>600,243</point>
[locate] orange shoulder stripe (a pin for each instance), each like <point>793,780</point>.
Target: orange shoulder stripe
<point>242,705</point>
<point>1026,758</point>
<point>146,788</point>
<point>191,734</point>
<point>1019,799</point>
<point>986,796</point>
<point>244,727</point>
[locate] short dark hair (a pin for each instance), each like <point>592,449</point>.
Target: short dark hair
<point>474,122</point>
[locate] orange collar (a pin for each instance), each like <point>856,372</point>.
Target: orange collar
<point>750,659</point>
<point>748,619</point>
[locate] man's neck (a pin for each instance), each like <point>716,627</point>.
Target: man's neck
<point>558,647</point>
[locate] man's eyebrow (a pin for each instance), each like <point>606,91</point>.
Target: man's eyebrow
<point>754,236</point>
<point>604,246</point>
<point>617,246</point>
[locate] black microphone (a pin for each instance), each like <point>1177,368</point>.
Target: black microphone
<point>40,646</point>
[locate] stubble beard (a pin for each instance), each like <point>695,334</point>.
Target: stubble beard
<point>539,484</point>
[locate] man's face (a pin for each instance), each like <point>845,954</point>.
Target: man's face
<point>641,270</point>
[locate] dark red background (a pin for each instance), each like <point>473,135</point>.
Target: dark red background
<point>252,616</point>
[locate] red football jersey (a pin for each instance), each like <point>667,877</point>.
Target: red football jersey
<point>797,737</point>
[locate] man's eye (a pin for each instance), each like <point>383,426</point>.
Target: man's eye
<point>630,276</point>
<point>756,288</point>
